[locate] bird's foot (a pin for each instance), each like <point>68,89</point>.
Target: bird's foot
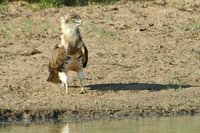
<point>83,92</point>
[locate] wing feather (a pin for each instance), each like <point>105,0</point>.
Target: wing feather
<point>85,56</point>
<point>58,57</point>
<point>55,63</point>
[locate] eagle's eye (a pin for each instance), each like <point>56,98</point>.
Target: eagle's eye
<point>73,19</point>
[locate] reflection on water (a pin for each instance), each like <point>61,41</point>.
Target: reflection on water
<point>65,128</point>
<point>186,124</point>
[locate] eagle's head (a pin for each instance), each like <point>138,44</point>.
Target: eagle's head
<point>70,22</point>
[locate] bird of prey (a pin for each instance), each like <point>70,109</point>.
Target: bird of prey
<point>70,55</point>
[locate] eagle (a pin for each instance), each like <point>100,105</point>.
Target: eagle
<point>70,54</point>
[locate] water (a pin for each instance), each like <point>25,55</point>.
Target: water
<point>184,124</point>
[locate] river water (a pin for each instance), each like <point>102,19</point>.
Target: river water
<point>183,124</point>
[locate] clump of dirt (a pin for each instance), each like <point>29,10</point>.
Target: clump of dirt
<point>144,59</point>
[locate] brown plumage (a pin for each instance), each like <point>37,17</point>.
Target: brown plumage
<point>70,55</point>
<point>55,64</point>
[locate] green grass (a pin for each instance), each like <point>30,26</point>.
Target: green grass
<point>87,2</point>
<point>101,32</point>
<point>42,4</point>
<point>4,6</point>
<point>196,25</point>
<point>109,17</point>
<point>188,26</point>
<point>26,27</point>
<point>178,4</point>
<point>8,35</point>
<point>182,27</point>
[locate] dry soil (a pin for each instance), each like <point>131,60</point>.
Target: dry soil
<point>144,59</point>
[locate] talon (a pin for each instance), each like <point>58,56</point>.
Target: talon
<point>83,92</point>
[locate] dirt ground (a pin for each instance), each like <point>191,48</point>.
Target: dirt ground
<point>144,59</point>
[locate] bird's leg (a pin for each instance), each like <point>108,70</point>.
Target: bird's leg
<point>81,76</point>
<point>64,80</point>
<point>66,88</point>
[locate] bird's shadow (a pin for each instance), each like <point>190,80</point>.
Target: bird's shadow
<point>136,86</point>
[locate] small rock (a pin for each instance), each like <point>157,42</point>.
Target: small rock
<point>142,29</point>
<point>26,116</point>
<point>35,51</point>
<point>6,88</point>
<point>151,24</point>
<point>115,9</point>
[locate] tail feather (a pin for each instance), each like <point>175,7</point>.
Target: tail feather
<point>53,77</point>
